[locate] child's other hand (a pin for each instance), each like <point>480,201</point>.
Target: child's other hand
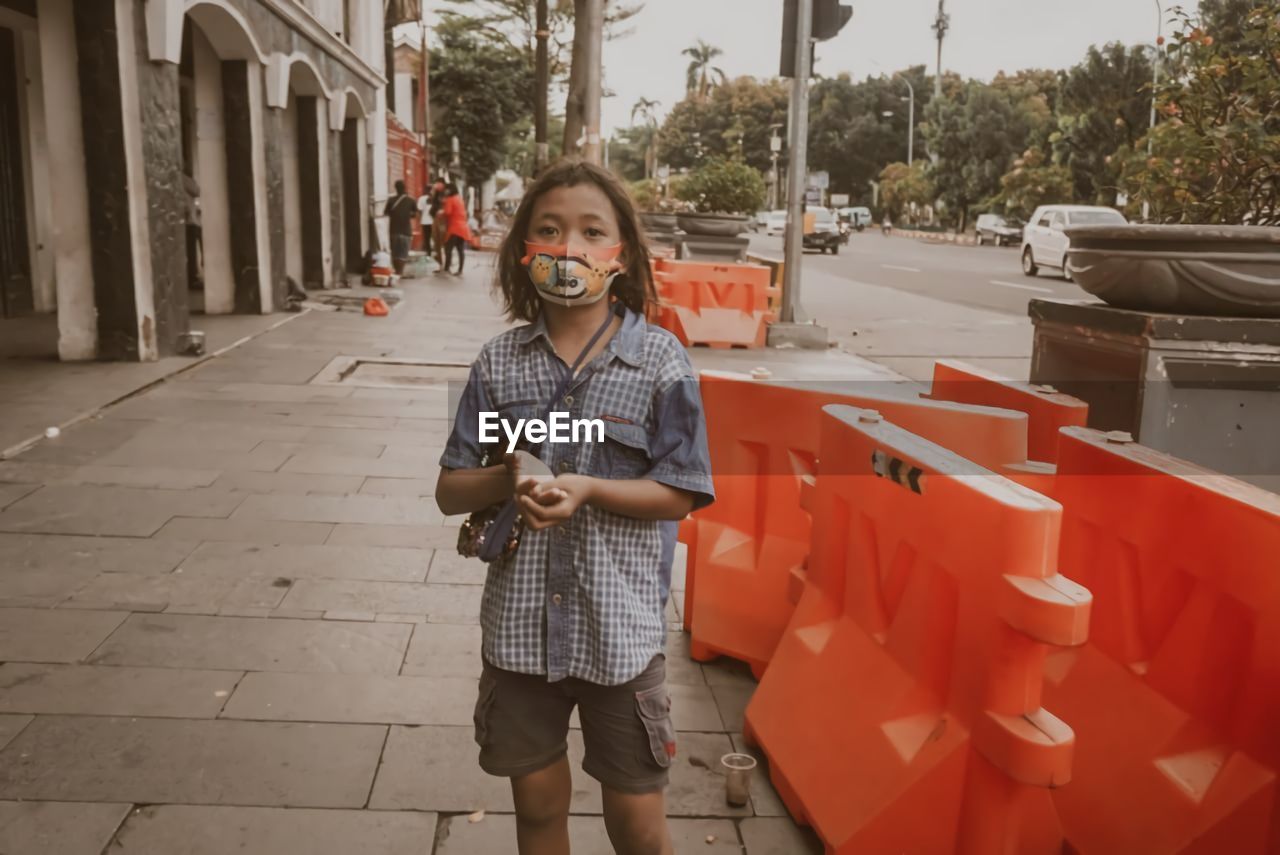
<point>526,471</point>
<point>551,503</point>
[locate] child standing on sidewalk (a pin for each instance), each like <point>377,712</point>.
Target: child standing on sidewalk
<point>575,615</point>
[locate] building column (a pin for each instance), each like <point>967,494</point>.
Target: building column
<point>246,188</point>
<point>273,171</point>
<point>337,249</point>
<point>313,191</point>
<point>72,255</point>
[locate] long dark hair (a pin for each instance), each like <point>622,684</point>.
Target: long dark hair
<point>633,288</point>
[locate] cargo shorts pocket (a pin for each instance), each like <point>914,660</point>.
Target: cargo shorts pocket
<point>484,705</point>
<point>654,708</point>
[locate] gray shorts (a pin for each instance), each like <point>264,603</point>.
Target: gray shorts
<point>522,723</point>
<point>400,245</point>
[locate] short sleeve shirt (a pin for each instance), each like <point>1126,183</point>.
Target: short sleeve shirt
<point>586,598</point>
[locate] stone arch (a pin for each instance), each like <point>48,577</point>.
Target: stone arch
<point>295,71</point>
<point>226,29</point>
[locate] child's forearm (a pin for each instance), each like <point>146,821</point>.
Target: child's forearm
<point>641,499</point>
<point>461,491</point>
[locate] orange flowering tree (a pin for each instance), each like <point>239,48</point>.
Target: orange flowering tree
<point>1215,151</point>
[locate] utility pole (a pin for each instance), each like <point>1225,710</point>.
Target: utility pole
<point>1155,86</point>
<point>940,26</point>
<point>797,167</point>
<point>593,57</point>
<point>543,73</point>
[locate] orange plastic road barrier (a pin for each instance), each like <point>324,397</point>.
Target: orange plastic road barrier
<point>746,552</point>
<point>901,711</point>
<point>376,307</point>
<point>1048,409</point>
<point>719,305</point>
<point>1176,698</point>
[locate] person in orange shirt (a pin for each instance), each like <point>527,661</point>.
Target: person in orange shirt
<point>457,232</point>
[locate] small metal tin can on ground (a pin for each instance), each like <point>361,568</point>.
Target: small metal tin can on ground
<point>738,769</point>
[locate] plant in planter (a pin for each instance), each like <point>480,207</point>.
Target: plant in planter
<point>723,193</point>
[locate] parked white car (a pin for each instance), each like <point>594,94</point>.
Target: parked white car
<point>859,218</point>
<point>776,223</point>
<point>1044,241</point>
<point>760,221</point>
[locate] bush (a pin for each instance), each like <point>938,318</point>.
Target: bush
<point>723,187</point>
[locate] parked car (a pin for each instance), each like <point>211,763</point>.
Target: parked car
<point>1044,242</point>
<point>776,224</point>
<point>993,228</point>
<point>760,221</point>
<point>859,218</point>
<point>825,235</point>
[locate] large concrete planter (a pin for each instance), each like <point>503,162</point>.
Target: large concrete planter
<point>1225,271</point>
<point>713,225</point>
<point>658,222</point>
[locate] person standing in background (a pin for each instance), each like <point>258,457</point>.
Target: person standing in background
<point>429,208</point>
<point>195,267</point>
<point>458,233</point>
<point>401,209</point>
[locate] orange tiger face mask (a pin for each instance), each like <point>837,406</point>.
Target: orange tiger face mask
<point>571,275</point>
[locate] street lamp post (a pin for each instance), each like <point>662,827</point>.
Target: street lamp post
<point>1155,84</point>
<point>775,148</point>
<point>911,122</point>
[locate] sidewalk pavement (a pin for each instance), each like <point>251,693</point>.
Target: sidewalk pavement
<point>233,594</point>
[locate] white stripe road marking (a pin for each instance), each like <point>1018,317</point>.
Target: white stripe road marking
<point>896,267</point>
<point>1020,287</point>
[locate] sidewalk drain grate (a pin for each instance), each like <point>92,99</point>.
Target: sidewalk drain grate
<point>381,372</point>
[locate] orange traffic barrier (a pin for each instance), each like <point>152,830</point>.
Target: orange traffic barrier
<point>719,305</point>
<point>1048,409</point>
<point>746,552</point>
<point>901,711</point>
<point>1175,700</point>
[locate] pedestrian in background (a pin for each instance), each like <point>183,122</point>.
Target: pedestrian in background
<point>195,244</point>
<point>573,613</point>
<point>457,232</point>
<point>401,209</point>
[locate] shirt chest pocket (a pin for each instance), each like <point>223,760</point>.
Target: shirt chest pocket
<point>624,454</point>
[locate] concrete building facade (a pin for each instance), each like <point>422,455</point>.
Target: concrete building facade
<point>118,111</point>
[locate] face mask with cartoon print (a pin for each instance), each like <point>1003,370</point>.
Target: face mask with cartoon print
<point>571,275</point>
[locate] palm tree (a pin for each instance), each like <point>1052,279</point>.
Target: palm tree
<point>699,78</point>
<point>643,111</point>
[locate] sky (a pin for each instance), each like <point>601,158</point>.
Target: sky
<point>986,36</point>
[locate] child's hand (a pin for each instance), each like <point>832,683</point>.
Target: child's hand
<point>526,471</point>
<point>552,503</point>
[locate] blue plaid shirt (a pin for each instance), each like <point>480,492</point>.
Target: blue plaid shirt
<point>585,599</point>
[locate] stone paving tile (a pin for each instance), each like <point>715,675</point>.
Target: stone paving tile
<point>90,690</point>
<point>724,671</point>
<point>82,509</point>
<point>54,553</point>
<point>496,835</point>
<point>389,409</point>
<point>59,828</point>
<point>82,443</point>
<point>206,830</point>
<point>697,784</point>
<point>319,464</point>
<point>440,603</point>
<point>257,460</point>
<point>361,450</point>
<point>353,699</point>
<point>208,433</point>
<point>255,644</point>
<point>436,768</point>
<point>10,727</point>
<point>765,800</point>
<point>240,560</point>
<point>21,587</point>
<point>264,392</point>
<point>189,761</point>
<point>444,650</point>
<point>732,702</point>
<point>324,420</point>
<point>680,668</point>
<point>694,708</point>
<point>379,510</point>
<point>363,435</point>
<point>53,635</point>
<point>420,537</point>
<point>217,593</point>
<point>774,836</point>
<point>448,567</point>
<point>399,486</point>
<point>266,532</point>
<point>289,483</point>
<point>155,477</point>
<point>12,492</point>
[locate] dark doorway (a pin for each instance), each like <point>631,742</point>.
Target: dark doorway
<point>352,204</point>
<point>16,295</point>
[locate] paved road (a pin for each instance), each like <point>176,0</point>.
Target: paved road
<point>980,277</point>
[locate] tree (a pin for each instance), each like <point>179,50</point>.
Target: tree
<point>701,74</point>
<point>483,87</point>
<point>976,136</point>
<point>1216,151</point>
<point>1104,105</point>
<point>740,110</point>
<point>643,115</point>
<point>724,186</point>
<point>1032,182</point>
<point>628,153</point>
<point>905,189</point>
